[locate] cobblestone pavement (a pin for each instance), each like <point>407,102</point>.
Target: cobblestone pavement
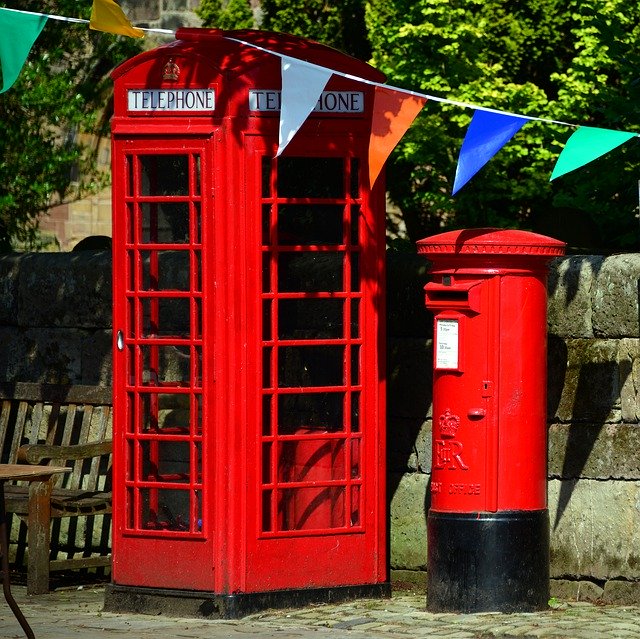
<point>65,614</point>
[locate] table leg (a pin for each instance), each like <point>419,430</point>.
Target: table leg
<point>6,582</point>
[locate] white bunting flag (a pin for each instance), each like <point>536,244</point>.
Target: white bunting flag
<point>302,86</point>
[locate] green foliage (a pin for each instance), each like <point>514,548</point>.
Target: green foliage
<point>574,61</point>
<point>51,115</point>
<point>338,23</point>
<point>565,60</point>
<point>601,87</point>
<point>232,14</point>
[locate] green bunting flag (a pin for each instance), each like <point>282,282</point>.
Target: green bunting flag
<point>587,144</point>
<point>19,32</point>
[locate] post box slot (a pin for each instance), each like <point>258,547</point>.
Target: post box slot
<point>465,296</point>
<point>449,296</point>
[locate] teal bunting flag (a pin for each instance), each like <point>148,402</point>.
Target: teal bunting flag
<point>19,31</point>
<point>587,144</point>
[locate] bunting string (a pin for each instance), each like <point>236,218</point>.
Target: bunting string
<point>82,21</point>
<point>303,82</point>
<point>415,94</point>
<point>47,15</point>
<point>490,133</point>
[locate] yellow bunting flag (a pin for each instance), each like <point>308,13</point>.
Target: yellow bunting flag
<point>107,16</point>
<point>393,113</point>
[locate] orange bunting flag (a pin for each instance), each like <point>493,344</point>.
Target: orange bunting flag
<point>107,16</point>
<point>393,113</point>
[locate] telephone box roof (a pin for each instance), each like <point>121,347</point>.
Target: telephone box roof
<point>227,54</point>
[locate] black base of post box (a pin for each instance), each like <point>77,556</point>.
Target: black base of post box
<point>488,562</point>
<point>193,603</point>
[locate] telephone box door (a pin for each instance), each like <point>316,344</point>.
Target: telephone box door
<point>318,496</point>
<point>161,364</point>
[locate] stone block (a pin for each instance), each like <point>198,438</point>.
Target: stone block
<point>96,362</point>
<point>567,589</point>
<point>9,270</point>
<point>409,378</point>
<point>406,312</point>
<point>621,592</point>
<point>571,283</point>
<point>176,19</point>
<point>629,361</point>
<point>595,451</point>
<point>415,580</point>
<point>56,356</point>
<point>615,297</point>
<point>594,529</point>
<point>408,514</point>
<point>47,355</point>
<point>557,357</point>
<point>590,382</point>
<point>408,446</point>
<point>65,289</point>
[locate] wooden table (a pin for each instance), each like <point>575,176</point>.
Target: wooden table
<point>22,472</point>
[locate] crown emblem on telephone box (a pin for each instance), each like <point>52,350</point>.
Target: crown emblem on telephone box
<point>171,70</point>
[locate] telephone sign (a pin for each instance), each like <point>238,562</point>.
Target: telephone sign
<point>171,100</point>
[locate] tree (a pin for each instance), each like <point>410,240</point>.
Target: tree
<point>226,14</point>
<point>569,60</point>
<point>565,60</point>
<point>60,102</point>
<point>338,23</point>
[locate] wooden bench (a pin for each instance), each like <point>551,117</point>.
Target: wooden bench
<point>59,426</point>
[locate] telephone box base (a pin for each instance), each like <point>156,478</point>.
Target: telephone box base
<point>192,603</point>
<point>488,562</point>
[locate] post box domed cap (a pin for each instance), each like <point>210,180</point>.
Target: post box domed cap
<point>491,241</point>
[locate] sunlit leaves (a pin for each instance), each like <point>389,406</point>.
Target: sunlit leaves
<point>569,60</point>
<point>59,103</point>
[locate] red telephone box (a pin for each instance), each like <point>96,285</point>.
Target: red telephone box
<point>248,333</point>
<point>488,525</point>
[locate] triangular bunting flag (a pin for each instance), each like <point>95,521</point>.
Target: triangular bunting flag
<point>488,132</point>
<point>302,85</point>
<point>107,16</point>
<point>19,32</point>
<point>585,145</point>
<point>393,113</point>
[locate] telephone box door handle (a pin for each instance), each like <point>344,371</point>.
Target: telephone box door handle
<point>120,341</point>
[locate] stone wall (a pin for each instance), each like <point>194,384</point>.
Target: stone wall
<point>593,415</point>
<point>67,224</point>
<point>55,317</point>
<point>594,432</point>
<point>55,326</point>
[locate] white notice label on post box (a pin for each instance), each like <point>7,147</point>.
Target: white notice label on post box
<point>447,343</point>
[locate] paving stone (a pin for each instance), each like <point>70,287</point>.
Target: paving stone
<point>71,614</point>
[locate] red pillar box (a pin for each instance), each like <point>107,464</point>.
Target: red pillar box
<point>248,332</point>
<point>488,525</point>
